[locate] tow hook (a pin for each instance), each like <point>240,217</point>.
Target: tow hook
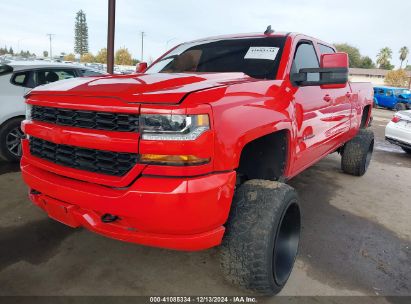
<point>109,218</point>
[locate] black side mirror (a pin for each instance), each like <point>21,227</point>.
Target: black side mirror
<point>327,76</point>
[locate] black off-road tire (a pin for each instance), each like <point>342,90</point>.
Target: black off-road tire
<point>10,127</point>
<point>357,153</point>
<point>400,106</point>
<point>262,235</point>
<point>406,150</point>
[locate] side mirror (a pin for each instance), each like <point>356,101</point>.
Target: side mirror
<point>141,67</point>
<point>333,72</point>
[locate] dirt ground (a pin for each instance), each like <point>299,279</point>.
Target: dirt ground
<point>356,240</point>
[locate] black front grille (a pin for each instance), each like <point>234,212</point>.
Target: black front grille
<point>98,161</point>
<point>86,119</point>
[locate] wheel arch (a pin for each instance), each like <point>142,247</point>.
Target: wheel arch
<point>265,157</point>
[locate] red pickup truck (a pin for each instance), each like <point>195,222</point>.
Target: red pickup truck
<point>194,152</point>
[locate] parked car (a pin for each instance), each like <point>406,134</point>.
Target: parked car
<point>398,130</point>
<point>393,98</point>
<point>195,151</point>
<point>16,80</point>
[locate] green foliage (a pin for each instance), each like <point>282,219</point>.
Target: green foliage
<point>408,68</point>
<point>101,56</point>
<point>397,78</point>
<point>404,51</point>
<point>384,57</point>
<point>81,34</point>
<point>355,57</point>
<point>367,63</point>
<point>45,54</point>
<point>87,57</point>
<point>69,57</point>
<point>123,57</point>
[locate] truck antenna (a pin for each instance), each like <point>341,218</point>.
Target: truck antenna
<point>268,31</point>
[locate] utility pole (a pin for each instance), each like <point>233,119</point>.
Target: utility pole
<point>142,46</point>
<point>110,35</point>
<point>50,38</point>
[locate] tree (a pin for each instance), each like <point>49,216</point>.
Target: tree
<point>353,54</point>
<point>11,51</point>
<point>123,57</point>
<point>408,68</point>
<point>45,54</point>
<point>101,56</point>
<point>367,63</point>
<point>383,59</point>
<point>87,57</point>
<point>404,51</point>
<point>81,34</point>
<point>69,57</point>
<point>398,78</point>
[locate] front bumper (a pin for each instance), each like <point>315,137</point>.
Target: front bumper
<point>174,213</point>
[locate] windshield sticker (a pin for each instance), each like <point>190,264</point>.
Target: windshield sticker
<point>262,52</point>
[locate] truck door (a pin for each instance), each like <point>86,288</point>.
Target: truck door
<point>312,110</point>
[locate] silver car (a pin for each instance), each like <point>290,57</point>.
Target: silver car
<point>16,79</point>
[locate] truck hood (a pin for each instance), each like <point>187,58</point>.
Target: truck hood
<point>142,88</point>
<point>405,96</point>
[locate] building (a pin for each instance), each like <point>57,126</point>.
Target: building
<point>375,76</point>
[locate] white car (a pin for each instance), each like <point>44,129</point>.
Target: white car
<point>16,79</point>
<point>398,130</point>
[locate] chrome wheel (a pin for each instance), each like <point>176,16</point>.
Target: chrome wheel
<point>13,141</point>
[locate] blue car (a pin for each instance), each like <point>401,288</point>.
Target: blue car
<point>392,98</point>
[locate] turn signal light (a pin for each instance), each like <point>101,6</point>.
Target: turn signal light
<point>172,160</point>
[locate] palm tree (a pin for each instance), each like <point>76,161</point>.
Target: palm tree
<point>403,54</point>
<point>383,57</point>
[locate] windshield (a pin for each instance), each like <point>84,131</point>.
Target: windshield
<point>404,91</point>
<point>255,57</point>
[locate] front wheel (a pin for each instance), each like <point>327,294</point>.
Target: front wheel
<point>357,153</point>
<point>400,107</point>
<point>10,140</point>
<point>262,236</point>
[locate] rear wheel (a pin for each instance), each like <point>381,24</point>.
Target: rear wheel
<point>407,150</point>
<point>262,236</point>
<point>10,140</point>
<point>400,107</point>
<point>357,153</point>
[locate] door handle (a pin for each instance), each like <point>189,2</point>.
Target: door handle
<point>327,98</point>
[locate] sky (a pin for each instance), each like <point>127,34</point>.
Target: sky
<point>366,24</point>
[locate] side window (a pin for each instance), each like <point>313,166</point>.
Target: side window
<point>306,57</point>
<point>380,91</point>
<point>325,49</point>
<point>52,75</point>
<point>24,79</point>
<point>389,93</point>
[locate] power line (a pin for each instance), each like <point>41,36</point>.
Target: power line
<point>142,46</point>
<point>50,38</point>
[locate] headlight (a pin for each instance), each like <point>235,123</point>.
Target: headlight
<point>173,127</point>
<point>28,111</point>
